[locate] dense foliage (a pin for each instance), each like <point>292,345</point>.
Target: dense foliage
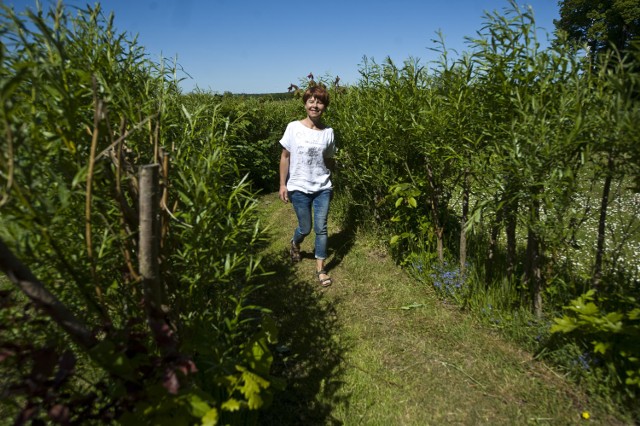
<point>601,25</point>
<point>504,178</point>
<point>253,127</point>
<point>82,109</point>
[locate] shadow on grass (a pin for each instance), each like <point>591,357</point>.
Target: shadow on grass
<point>339,245</point>
<point>307,356</point>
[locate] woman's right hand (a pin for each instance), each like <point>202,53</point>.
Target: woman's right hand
<point>284,171</point>
<point>284,194</point>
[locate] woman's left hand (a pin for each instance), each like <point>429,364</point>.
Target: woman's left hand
<point>284,194</point>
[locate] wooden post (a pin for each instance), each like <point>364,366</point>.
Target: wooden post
<point>149,239</point>
<point>149,257</point>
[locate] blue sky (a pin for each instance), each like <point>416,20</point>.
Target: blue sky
<point>263,46</point>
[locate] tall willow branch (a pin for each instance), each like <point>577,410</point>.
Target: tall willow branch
<point>87,208</point>
<point>24,279</point>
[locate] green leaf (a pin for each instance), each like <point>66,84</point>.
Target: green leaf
<point>199,407</point>
<point>564,325</point>
<point>63,195</point>
<point>601,347</point>
<point>253,385</point>
<point>8,86</point>
<point>81,176</point>
<point>211,418</point>
<point>589,309</point>
<point>614,321</point>
<point>412,306</point>
<point>231,404</point>
<point>270,329</point>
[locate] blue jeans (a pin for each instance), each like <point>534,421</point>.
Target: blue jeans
<point>303,204</point>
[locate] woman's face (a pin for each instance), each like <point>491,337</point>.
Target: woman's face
<point>314,107</point>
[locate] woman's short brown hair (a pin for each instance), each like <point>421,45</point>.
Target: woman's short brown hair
<point>319,92</point>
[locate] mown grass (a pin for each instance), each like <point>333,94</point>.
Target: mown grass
<point>378,348</point>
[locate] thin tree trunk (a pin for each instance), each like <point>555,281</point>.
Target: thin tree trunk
<point>149,238</point>
<point>435,211</point>
<point>165,196</point>
<point>602,223</point>
<point>463,224</point>
<point>533,272</point>
<point>511,212</point>
<point>493,244</point>
<point>440,243</point>
<point>24,279</point>
<point>97,116</point>
<point>154,294</point>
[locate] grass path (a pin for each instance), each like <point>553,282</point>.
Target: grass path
<point>352,355</point>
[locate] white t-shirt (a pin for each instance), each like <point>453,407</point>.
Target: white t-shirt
<point>308,148</point>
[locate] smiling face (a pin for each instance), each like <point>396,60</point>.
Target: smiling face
<point>314,107</point>
<point>316,100</point>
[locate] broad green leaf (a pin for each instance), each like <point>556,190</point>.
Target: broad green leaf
<point>231,404</point>
<point>601,347</point>
<point>199,407</point>
<point>589,309</point>
<point>210,418</point>
<point>563,325</point>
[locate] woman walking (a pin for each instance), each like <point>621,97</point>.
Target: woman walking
<point>306,161</point>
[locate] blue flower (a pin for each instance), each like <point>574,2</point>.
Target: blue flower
<point>585,361</point>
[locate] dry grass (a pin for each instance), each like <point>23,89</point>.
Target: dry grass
<point>358,353</point>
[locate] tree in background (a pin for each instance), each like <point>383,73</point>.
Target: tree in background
<point>600,23</point>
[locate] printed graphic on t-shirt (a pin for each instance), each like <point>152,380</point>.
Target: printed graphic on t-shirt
<point>309,155</point>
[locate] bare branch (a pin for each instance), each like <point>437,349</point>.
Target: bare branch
<point>22,277</point>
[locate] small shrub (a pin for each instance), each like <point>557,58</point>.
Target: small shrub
<point>609,339</point>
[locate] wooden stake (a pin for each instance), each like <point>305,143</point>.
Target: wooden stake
<point>149,238</point>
